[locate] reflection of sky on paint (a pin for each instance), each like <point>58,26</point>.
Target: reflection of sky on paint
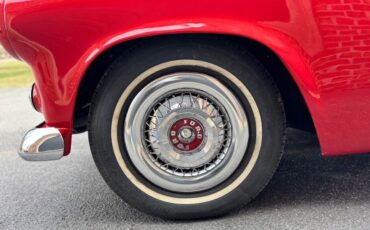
<point>3,53</point>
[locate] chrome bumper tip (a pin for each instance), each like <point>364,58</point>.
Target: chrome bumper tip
<point>42,144</point>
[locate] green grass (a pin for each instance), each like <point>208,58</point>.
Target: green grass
<point>14,73</point>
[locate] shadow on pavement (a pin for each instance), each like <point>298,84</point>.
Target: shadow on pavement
<point>304,176</point>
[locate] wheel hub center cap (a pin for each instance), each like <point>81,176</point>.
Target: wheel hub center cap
<point>186,135</point>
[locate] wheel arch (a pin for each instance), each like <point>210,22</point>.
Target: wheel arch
<point>292,87</point>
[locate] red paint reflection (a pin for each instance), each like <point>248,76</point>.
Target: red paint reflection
<point>345,26</point>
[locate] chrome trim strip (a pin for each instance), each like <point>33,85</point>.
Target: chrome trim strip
<point>42,144</point>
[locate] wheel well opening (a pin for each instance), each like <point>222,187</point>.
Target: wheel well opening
<point>297,113</point>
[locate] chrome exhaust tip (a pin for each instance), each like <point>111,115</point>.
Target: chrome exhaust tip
<point>42,144</point>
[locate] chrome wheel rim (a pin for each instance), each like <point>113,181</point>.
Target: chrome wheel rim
<point>186,132</point>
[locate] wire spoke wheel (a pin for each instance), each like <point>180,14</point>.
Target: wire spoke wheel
<point>187,132</point>
<point>187,129</point>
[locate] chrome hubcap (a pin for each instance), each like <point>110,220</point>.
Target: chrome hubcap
<point>186,132</point>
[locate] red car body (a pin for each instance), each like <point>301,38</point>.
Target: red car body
<point>325,45</point>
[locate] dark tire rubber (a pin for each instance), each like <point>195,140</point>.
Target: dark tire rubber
<point>220,53</point>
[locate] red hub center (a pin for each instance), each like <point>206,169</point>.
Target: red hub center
<point>186,134</point>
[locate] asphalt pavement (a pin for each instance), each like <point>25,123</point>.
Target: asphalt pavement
<point>307,191</point>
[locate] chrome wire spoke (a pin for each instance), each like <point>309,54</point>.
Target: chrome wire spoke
<point>197,102</point>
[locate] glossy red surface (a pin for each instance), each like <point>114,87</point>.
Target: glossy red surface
<point>324,43</point>
<point>3,31</point>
